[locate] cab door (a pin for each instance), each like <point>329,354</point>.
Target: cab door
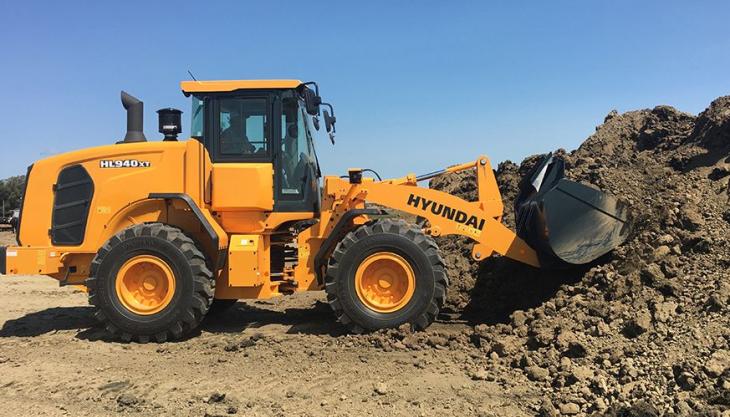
<point>240,145</point>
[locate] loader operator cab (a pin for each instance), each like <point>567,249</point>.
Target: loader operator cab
<point>256,123</point>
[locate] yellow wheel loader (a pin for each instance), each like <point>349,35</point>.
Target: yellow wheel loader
<point>161,233</point>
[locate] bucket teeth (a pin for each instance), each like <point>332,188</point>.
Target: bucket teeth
<point>567,223</point>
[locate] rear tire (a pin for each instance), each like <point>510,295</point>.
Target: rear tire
<point>150,282</point>
<point>406,257</point>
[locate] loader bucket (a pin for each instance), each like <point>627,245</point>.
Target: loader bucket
<point>567,223</point>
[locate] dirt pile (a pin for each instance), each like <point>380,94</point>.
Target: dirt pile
<point>648,327</point>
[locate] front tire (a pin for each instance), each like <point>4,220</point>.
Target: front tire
<point>150,282</point>
<point>385,274</point>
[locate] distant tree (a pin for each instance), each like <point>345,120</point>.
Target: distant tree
<point>11,191</point>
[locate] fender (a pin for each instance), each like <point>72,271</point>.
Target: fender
<point>342,226</point>
<point>208,227</point>
<point>194,208</point>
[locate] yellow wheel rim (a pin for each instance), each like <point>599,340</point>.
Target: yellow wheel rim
<point>385,282</point>
<point>145,284</point>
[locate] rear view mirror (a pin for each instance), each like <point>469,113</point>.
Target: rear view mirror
<point>312,100</point>
<point>329,121</point>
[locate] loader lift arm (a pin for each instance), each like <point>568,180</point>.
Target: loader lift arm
<point>447,214</point>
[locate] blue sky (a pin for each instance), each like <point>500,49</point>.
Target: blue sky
<point>416,85</point>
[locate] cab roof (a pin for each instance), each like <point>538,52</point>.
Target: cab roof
<point>233,85</point>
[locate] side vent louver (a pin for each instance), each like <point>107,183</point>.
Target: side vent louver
<point>74,191</point>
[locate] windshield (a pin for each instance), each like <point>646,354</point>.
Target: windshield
<point>297,149</point>
<point>196,126</point>
<point>310,140</point>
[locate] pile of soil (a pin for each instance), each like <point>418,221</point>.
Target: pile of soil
<point>645,330</point>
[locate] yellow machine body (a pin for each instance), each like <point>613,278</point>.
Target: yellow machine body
<point>248,261</point>
<point>227,177</point>
<point>242,221</point>
<point>121,198</point>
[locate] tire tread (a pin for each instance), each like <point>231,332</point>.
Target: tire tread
<point>393,226</point>
<point>203,282</point>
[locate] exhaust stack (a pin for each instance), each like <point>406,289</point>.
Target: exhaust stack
<point>135,119</point>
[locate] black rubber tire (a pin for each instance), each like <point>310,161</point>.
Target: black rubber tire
<point>386,235</point>
<point>221,307</point>
<point>194,284</point>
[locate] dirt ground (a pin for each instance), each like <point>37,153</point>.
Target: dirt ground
<point>285,357</point>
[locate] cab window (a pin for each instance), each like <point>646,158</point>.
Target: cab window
<point>242,128</point>
<point>196,121</point>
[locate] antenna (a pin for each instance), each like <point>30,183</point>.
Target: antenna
<point>191,75</point>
